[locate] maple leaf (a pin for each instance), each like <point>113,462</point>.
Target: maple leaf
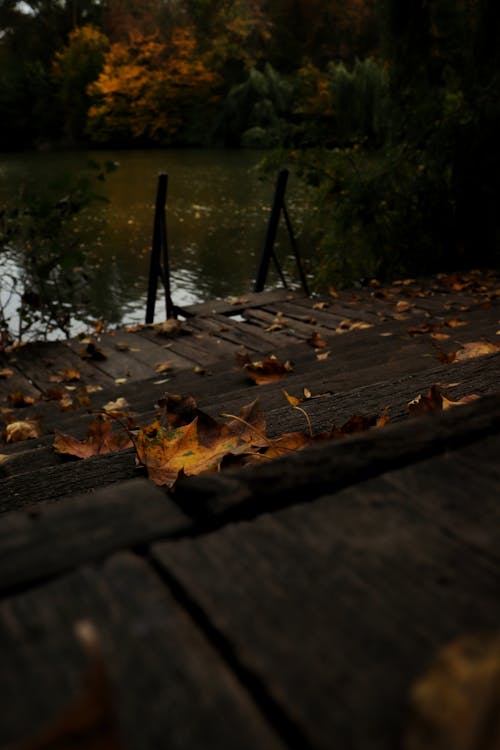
<point>199,446</point>
<point>22,429</point>
<point>435,400</point>
<point>100,439</point>
<point>266,371</point>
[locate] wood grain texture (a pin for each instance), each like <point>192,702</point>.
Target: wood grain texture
<point>338,604</point>
<point>169,686</point>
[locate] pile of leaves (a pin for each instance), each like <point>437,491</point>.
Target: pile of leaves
<point>182,440</point>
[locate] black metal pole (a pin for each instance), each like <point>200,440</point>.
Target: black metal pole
<point>295,249</point>
<point>272,229</point>
<point>158,243</point>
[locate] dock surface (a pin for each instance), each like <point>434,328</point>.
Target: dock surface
<point>287,604</point>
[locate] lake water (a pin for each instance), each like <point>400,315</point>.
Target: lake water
<point>218,208</point>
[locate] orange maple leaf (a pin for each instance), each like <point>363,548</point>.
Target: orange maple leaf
<point>100,439</point>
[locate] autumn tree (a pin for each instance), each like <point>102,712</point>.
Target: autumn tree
<point>149,90</point>
<point>75,67</point>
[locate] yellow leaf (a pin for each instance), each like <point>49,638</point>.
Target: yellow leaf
<point>25,429</point>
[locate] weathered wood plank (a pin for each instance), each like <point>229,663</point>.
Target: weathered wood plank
<point>235,306</point>
<point>170,688</point>
<point>355,593</point>
<point>52,539</point>
<point>51,483</point>
<point>306,475</point>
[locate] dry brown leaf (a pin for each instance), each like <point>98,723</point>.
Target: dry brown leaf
<point>455,705</point>
<point>435,401</point>
<point>23,429</point>
<point>66,403</point>
<point>69,374</point>
<point>292,400</point>
<point>6,372</point>
<point>91,351</point>
<point>20,399</point>
<point>476,349</point>
<point>171,327</point>
<point>165,366</point>
<point>322,355</point>
<point>118,407</point>
<point>421,328</point>
<point>100,439</point>
<point>200,445</point>
<point>403,306</point>
<point>320,305</point>
<point>455,323</point>
<point>266,371</point>
<point>440,336</point>
<point>316,341</point>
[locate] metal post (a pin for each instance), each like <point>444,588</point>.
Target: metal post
<point>272,228</point>
<point>295,249</point>
<point>159,253</point>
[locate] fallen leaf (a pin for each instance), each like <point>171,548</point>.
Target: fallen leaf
<point>316,341</point>
<point>455,705</point>
<point>403,306</point>
<point>200,370</point>
<point>455,323</point>
<point>119,406</point>
<point>322,355</point>
<point>121,346</point>
<point>436,401</point>
<point>69,374</point>
<point>320,305</point>
<point>166,366</point>
<point>6,372</point>
<point>266,371</point>
<point>476,349</point>
<point>440,336</point>
<point>25,429</point>
<point>100,439</point>
<point>66,403</point>
<point>199,446</point>
<point>292,400</point>
<point>92,351</point>
<point>422,328</point>
<point>237,300</point>
<point>20,399</point>
<point>171,327</point>
<point>120,381</point>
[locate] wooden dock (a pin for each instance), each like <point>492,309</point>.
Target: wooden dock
<point>290,604</point>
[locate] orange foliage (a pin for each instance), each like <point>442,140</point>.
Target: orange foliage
<point>147,88</point>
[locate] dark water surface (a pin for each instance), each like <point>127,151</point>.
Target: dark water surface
<point>218,208</point>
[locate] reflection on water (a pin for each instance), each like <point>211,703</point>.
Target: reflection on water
<point>217,215</point>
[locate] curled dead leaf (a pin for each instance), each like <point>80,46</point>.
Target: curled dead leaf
<point>165,366</point>
<point>23,429</point>
<point>6,372</point>
<point>266,371</point>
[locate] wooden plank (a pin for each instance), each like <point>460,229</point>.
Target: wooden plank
<point>236,305</point>
<point>253,338</point>
<point>38,361</point>
<point>306,475</point>
<point>355,593</point>
<point>169,686</point>
<point>51,483</point>
<point>49,540</point>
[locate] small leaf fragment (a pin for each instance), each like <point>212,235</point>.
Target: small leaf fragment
<point>20,399</point>
<point>100,439</point>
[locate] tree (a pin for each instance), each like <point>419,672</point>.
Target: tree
<point>150,91</point>
<point>75,67</point>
